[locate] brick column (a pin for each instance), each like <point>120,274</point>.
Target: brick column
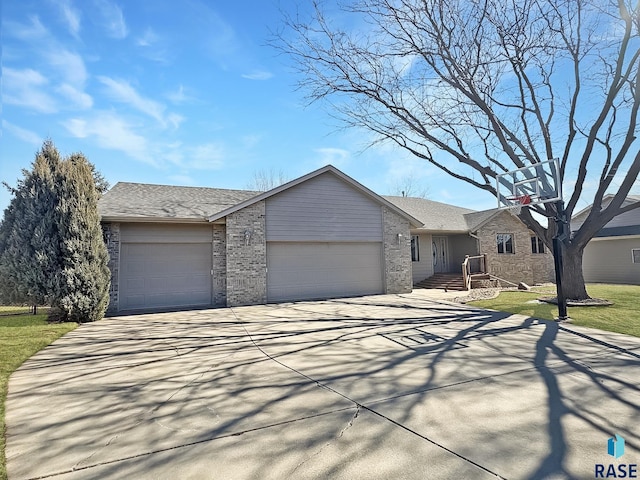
<point>246,248</point>
<point>111,235</point>
<point>397,252</point>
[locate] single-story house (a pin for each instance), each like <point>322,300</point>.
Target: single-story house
<point>323,235</point>
<point>613,254</point>
<point>448,234</point>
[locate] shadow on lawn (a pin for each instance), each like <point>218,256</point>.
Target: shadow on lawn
<point>275,391</point>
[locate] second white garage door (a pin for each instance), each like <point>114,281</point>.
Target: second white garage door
<point>305,271</point>
<point>165,275</point>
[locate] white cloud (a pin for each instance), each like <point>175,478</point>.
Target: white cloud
<point>122,91</point>
<point>258,75</point>
<point>112,132</point>
<point>32,31</point>
<point>70,65</point>
<point>337,157</point>
<point>148,39</point>
<point>208,156</point>
<point>250,141</point>
<point>25,88</point>
<point>70,15</point>
<point>112,18</point>
<point>175,120</point>
<point>445,194</point>
<point>22,133</point>
<point>180,96</point>
<point>78,98</point>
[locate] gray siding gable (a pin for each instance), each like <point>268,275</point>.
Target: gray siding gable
<point>324,208</point>
<point>414,222</point>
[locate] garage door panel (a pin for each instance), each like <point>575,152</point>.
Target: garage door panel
<point>165,275</point>
<point>299,271</point>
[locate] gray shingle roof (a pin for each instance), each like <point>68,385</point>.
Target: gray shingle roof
<point>139,201</point>
<point>443,217</point>
<point>436,216</point>
<point>475,219</point>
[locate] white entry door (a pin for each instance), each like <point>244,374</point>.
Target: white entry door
<point>440,252</point>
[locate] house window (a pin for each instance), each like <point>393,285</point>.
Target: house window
<point>415,249</point>
<point>537,245</point>
<point>505,242</point>
<point>635,255</point>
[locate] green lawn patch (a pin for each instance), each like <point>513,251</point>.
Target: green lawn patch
<point>20,337</point>
<point>622,317</point>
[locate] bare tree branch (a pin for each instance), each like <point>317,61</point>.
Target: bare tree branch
<point>484,87</point>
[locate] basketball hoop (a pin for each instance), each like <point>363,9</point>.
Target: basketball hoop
<point>517,202</point>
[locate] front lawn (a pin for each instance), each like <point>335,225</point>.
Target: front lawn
<point>622,317</point>
<point>20,337</point>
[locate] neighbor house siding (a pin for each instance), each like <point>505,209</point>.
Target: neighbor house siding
<point>397,252</point>
<point>324,208</point>
<point>111,233</point>
<point>608,260</point>
<point>246,256</point>
<point>625,219</point>
<point>424,267</point>
<point>521,266</point>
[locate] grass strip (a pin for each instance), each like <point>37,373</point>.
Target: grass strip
<point>621,317</point>
<point>21,337</point>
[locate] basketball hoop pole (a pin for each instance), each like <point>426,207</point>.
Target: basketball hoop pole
<point>557,258</point>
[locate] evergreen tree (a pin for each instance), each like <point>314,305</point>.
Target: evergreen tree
<point>29,242</point>
<point>83,293</point>
<point>51,246</point>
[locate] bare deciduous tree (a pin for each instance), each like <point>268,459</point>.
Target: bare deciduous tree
<point>478,88</point>
<point>264,180</point>
<point>408,187</point>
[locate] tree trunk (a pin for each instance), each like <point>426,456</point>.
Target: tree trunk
<point>572,278</point>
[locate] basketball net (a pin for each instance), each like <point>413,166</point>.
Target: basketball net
<point>518,202</point>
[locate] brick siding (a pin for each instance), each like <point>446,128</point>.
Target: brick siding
<point>111,235</point>
<point>246,260</point>
<point>397,252</point>
<point>521,266</point>
<point>219,265</point>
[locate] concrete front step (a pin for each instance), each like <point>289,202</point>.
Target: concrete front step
<point>445,281</point>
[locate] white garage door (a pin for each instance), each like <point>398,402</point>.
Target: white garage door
<point>164,275</point>
<point>305,271</point>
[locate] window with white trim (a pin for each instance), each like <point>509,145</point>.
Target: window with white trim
<point>635,255</point>
<point>415,248</point>
<point>537,245</point>
<point>505,242</point>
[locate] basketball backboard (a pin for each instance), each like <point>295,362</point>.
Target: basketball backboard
<point>530,185</point>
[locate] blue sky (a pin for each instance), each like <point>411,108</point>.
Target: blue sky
<point>182,93</point>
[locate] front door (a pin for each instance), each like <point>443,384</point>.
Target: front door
<point>440,252</point>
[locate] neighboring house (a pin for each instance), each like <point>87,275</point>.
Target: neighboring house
<point>613,255</point>
<point>323,235</point>
<point>450,233</point>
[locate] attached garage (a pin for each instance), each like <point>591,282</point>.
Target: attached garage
<point>318,248</point>
<point>320,236</point>
<point>303,271</point>
<point>165,266</point>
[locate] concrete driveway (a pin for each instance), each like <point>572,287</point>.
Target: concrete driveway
<point>393,386</point>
